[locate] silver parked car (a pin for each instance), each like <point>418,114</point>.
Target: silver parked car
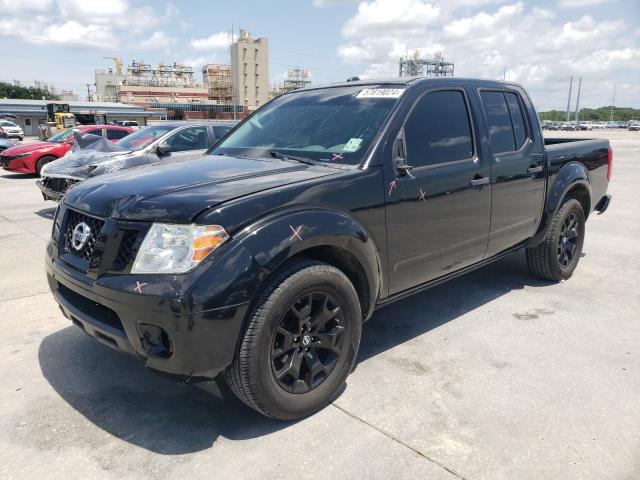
<point>163,142</point>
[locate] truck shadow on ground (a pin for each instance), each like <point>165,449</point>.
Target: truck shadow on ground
<point>118,395</point>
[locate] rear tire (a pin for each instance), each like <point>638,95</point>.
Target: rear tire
<point>557,256</point>
<point>42,162</point>
<point>300,344</point>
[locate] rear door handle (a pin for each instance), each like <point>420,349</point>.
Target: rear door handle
<point>536,169</point>
<point>476,182</point>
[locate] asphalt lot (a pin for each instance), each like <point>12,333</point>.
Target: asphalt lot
<point>495,375</point>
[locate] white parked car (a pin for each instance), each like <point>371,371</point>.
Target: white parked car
<point>11,129</point>
<point>130,123</point>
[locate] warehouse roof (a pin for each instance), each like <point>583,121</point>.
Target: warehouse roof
<point>19,106</point>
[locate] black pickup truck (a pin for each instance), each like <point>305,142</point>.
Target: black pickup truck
<point>258,262</point>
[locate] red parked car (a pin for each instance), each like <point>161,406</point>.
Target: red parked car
<point>30,158</point>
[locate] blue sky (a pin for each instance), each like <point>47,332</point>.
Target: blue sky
<point>538,44</point>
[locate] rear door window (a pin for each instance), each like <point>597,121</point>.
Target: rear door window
<point>438,130</point>
<point>499,120</point>
<point>194,138</point>
<point>517,118</point>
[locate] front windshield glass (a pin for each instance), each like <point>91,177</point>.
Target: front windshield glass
<point>144,137</point>
<point>332,125</point>
<point>7,123</point>
<point>61,136</point>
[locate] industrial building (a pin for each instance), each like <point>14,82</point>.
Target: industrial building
<point>250,71</point>
<point>29,113</point>
<point>170,90</point>
<point>416,66</point>
<point>217,79</point>
<point>296,78</point>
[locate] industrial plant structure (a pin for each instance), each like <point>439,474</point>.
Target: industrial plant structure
<point>415,66</point>
<point>217,78</point>
<point>296,78</point>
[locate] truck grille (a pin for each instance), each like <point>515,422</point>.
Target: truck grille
<point>84,246</point>
<point>127,250</point>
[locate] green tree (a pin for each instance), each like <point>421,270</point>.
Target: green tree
<point>602,114</point>
<point>7,90</point>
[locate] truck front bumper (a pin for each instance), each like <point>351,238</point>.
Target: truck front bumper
<point>187,346</point>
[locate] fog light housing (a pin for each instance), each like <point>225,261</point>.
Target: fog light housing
<point>155,341</point>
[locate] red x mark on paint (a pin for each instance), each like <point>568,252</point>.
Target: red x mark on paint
<point>138,287</point>
<point>392,185</point>
<point>423,196</point>
<point>296,232</point>
<point>337,156</point>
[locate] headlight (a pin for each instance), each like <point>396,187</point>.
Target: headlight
<point>170,248</point>
<point>22,155</point>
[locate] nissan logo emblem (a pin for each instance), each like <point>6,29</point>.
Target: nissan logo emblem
<point>81,234</point>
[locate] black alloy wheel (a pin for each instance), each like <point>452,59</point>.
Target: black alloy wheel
<point>567,240</point>
<point>307,342</point>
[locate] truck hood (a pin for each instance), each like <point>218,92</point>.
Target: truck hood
<point>177,192</point>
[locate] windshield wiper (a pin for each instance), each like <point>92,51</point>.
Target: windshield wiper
<point>283,156</point>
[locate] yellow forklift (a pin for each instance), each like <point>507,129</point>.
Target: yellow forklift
<point>58,118</point>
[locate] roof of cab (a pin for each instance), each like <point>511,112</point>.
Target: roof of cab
<point>410,81</point>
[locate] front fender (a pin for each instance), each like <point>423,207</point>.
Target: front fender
<point>567,178</point>
<point>233,276</point>
<point>275,239</point>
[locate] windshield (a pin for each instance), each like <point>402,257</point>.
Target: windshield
<point>7,123</point>
<point>61,136</point>
<point>332,125</point>
<point>144,137</point>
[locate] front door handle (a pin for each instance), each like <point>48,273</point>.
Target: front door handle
<point>535,169</point>
<point>476,182</point>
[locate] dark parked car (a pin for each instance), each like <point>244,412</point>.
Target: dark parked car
<point>163,142</point>
<point>258,262</point>
<point>6,143</point>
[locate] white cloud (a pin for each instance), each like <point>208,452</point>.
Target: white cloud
<point>157,41</point>
<point>216,41</point>
<point>529,43</point>
<point>401,16</point>
<point>75,34</point>
<point>23,7</point>
<point>580,3</point>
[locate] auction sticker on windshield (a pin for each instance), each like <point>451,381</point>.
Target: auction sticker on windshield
<point>352,145</point>
<point>380,93</point>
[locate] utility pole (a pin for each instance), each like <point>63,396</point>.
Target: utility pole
<point>233,90</point>
<point>569,100</point>
<point>613,102</point>
<point>578,99</point>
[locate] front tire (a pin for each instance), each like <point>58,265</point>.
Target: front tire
<point>300,344</point>
<point>42,162</point>
<point>557,256</point>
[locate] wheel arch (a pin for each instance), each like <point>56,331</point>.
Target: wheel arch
<point>572,181</point>
<point>332,237</point>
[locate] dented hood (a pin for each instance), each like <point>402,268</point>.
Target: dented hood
<point>79,164</point>
<point>177,192</point>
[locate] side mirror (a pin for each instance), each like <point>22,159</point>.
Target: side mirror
<point>163,149</point>
<point>399,156</point>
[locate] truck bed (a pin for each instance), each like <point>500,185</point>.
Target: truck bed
<point>591,153</point>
